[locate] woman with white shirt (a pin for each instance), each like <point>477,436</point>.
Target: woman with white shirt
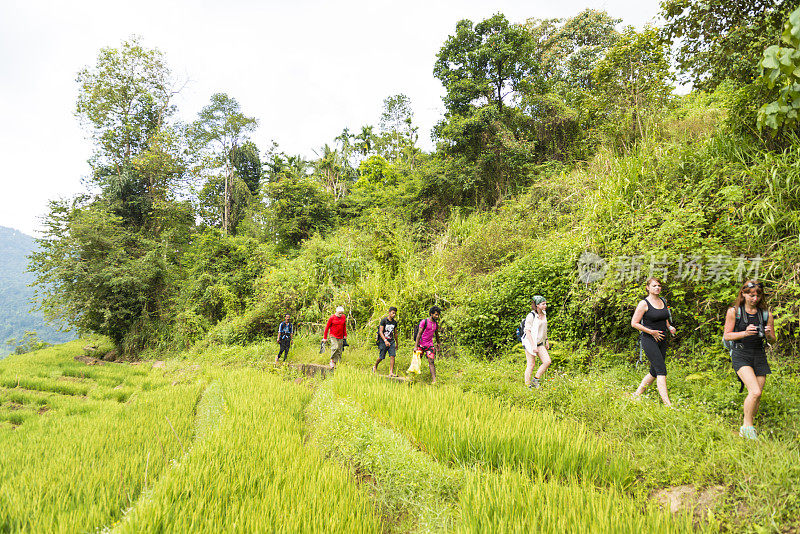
<point>535,341</point>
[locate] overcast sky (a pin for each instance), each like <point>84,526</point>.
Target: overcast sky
<point>304,68</point>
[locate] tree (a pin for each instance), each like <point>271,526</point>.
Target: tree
<point>631,83</point>
<point>484,63</point>
<point>220,130</point>
<point>780,72</point>
<point>300,208</point>
<point>487,141</point>
<point>365,140</point>
<point>568,50</point>
<point>105,262</point>
<point>125,101</point>
<point>278,166</point>
<point>247,165</point>
<point>559,105</point>
<point>333,171</point>
<point>99,276</point>
<point>398,130</point>
<point>719,40</point>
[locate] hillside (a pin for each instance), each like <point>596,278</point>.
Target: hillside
<point>16,316</point>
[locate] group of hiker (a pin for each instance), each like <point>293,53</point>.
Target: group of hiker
<point>426,339</point>
<point>748,323</point>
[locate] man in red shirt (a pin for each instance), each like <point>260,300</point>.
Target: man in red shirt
<point>337,327</point>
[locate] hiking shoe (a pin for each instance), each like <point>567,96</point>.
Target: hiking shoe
<point>535,383</point>
<point>748,432</point>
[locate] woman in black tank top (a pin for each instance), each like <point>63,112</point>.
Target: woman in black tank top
<point>748,332</point>
<point>651,318</point>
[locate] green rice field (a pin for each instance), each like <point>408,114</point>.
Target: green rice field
<point>223,440</point>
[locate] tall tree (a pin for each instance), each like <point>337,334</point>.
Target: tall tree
<point>484,69</point>
<point>220,130</point>
<point>719,40</point>
<point>398,130</point>
<point>568,50</point>
<point>125,102</point>
<point>484,63</point>
<point>365,140</point>
<point>632,83</point>
<point>333,171</point>
<point>106,259</point>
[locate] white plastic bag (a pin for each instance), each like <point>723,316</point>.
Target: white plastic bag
<point>415,363</point>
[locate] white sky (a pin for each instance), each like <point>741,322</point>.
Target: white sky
<point>305,69</point>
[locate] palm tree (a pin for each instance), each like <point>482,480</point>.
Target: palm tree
<point>366,140</point>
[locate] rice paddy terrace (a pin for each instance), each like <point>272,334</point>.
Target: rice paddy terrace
<point>223,440</point>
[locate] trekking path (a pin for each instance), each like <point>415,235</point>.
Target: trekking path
<point>322,371</point>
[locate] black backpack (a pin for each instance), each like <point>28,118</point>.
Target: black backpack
<point>415,329</point>
<point>521,329</point>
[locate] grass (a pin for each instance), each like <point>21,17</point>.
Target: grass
<point>219,439</point>
<point>78,463</point>
<point>468,429</point>
<point>512,502</point>
<point>694,444</point>
<point>425,496</point>
<point>413,491</point>
<point>251,472</point>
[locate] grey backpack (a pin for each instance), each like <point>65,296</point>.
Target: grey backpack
<point>763,318</point>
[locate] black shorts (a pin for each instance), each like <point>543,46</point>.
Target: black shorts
<point>656,352</point>
<point>383,349</point>
<point>755,358</point>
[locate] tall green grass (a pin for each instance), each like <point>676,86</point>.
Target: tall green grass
<point>414,492</point>
<point>464,428</point>
<point>694,444</point>
<point>512,502</point>
<point>251,472</point>
<point>426,496</point>
<point>74,473</point>
<point>77,453</point>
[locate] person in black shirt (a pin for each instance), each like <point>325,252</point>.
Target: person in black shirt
<point>387,342</point>
<point>651,318</point>
<point>285,337</point>
<point>747,324</point>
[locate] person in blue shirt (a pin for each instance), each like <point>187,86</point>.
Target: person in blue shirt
<point>285,337</point>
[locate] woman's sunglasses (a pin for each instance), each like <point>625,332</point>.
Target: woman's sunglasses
<point>751,285</point>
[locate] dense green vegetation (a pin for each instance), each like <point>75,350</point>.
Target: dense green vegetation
<point>541,156</point>
<point>562,147</point>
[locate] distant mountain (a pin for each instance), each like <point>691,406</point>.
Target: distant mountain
<point>16,316</point>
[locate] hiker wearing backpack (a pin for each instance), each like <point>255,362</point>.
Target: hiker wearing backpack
<point>652,319</point>
<point>747,323</point>
<point>386,340</point>
<point>428,330</point>
<point>285,337</point>
<point>337,328</point>
<point>534,339</point>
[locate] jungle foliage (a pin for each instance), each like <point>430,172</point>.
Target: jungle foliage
<point>560,137</point>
